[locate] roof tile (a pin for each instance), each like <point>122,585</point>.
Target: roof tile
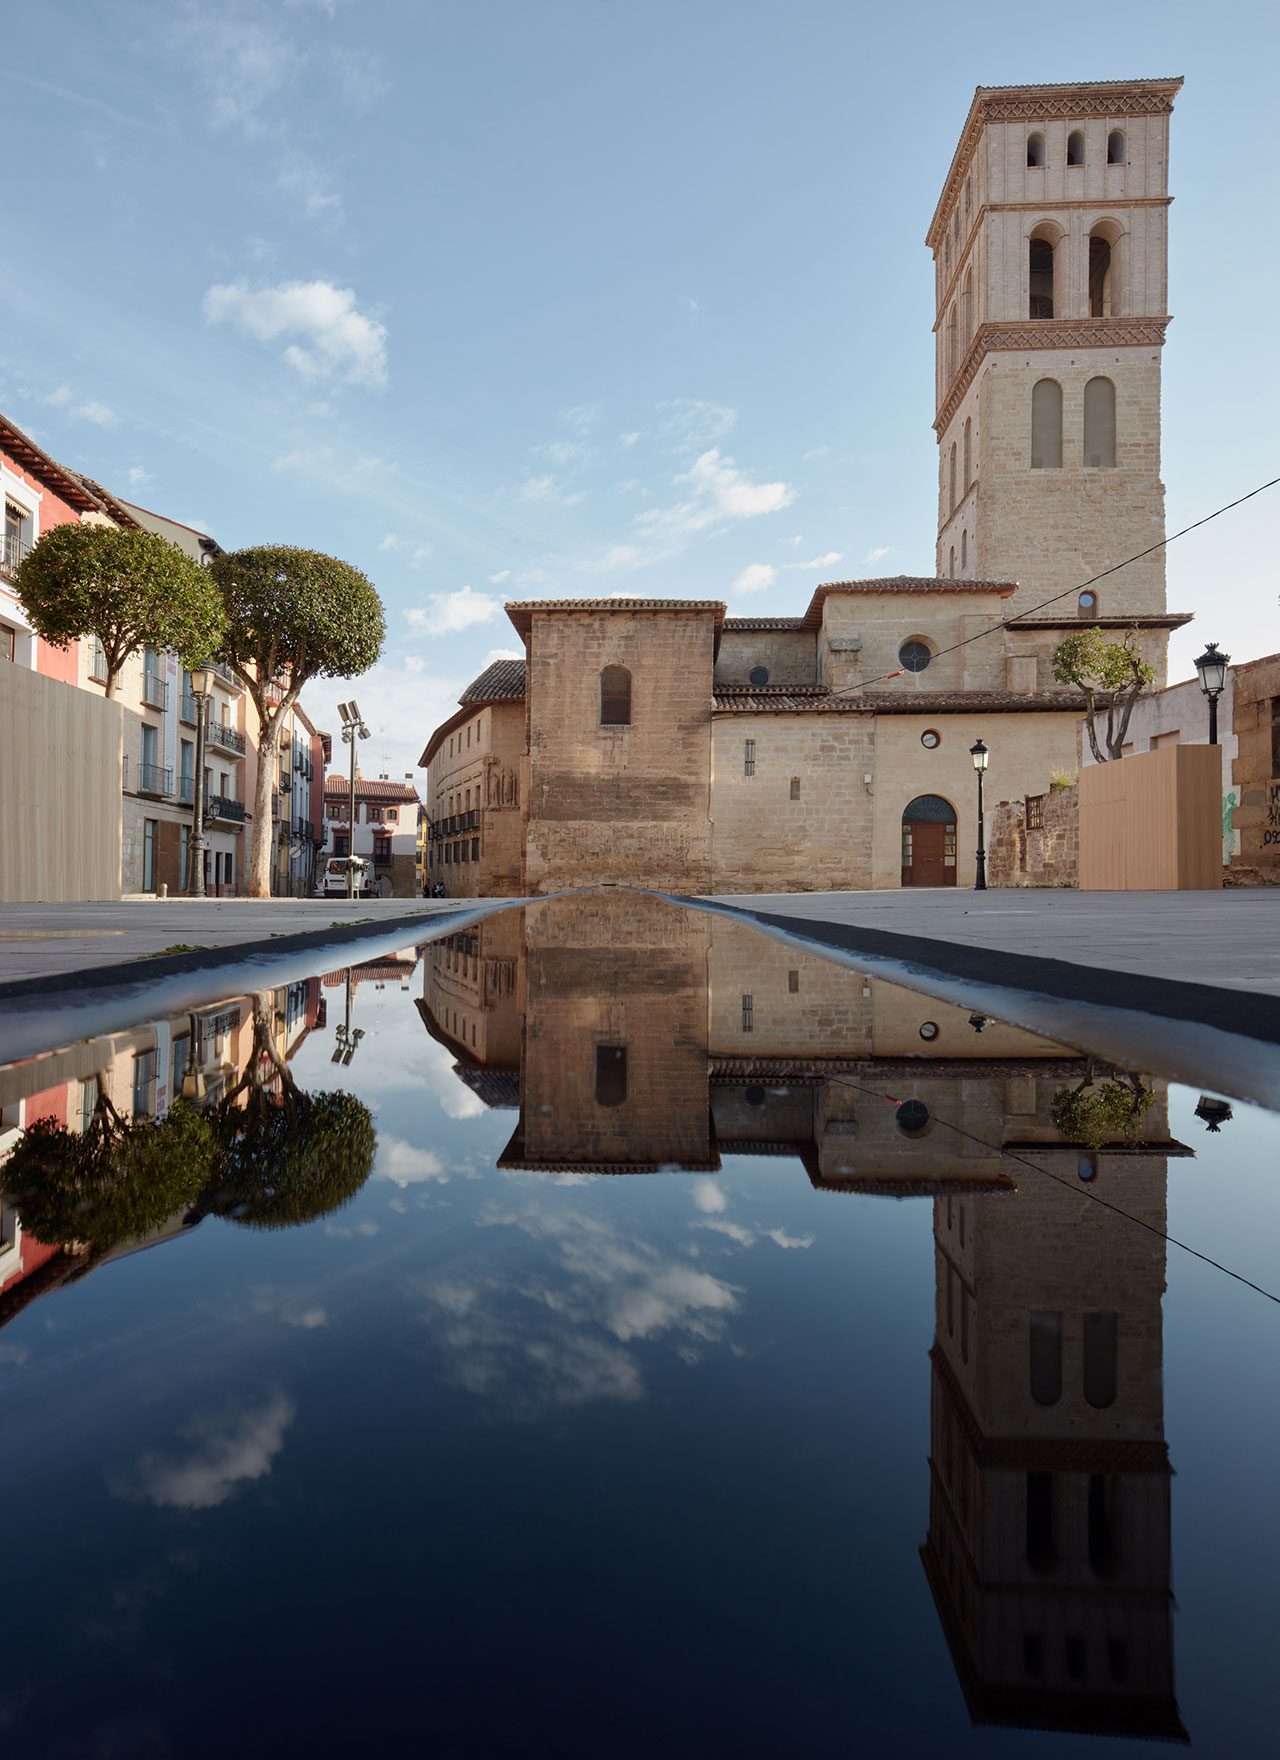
<point>501,682</point>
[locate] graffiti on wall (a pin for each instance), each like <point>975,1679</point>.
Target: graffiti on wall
<point>1271,830</point>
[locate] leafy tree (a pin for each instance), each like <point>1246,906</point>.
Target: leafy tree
<point>1095,1113</point>
<point>128,588</point>
<point>1115,669</point>
<point>291,616</point>
<point>286,1156</point>
<point>116,1182</point>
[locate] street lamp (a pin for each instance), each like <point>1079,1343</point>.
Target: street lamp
<point>353,728</point>
<point>347,1041</point>
<point>201,691</point>
<point>1212,669</point>
<point>979,753</point>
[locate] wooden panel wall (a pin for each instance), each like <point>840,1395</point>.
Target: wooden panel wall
<point>1153,822</point>
<point>60,752</point>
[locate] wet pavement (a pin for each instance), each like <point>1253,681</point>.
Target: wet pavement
<point>606,1328</point>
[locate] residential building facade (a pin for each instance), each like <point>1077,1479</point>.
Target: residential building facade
<point>386,829</point>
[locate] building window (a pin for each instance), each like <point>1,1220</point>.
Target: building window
<point>1040,1548</point>
<point>748,1014</point>
<point>968,194</point>
<point>951,565</point>
<point>793,983</point>
<point>964,551</point>
<point>1045,1332</point>
<point>1087,604</point>
<point>341,843</point>
<point>372,814</point>
<point>968,451</point>
<point>393,815</point>
<point>759,676</point>
<point>475,849</point>
<point>1115,147</point>
<point>1101,279</point>
<point>1035,150</point>
<point>149,833</point>
<point>611,1075</point>
<point>915,655</point>
<point>1100,1360</point>
<point>953,344</point>
<point>1040,269</point>
<point>382,848</point>
<point>929,1030</point>
<point>184,858</point>
<point>1075,147</point>
<point>144,1084</point>
<point>1100,424</point>
<point>795,788</point>
<point>749,758</point>
<point>98,662</point>
<point>930,739</point>
<point>615,697</point>
<point>1046,425</point>
<point>951,480</point>
<point>968,306</point>
<point>337,809</point>
<point>1102,1544</point>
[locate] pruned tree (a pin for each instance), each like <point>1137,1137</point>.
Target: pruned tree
<point>291,616</point>
<point>286,1157</point>
<point>116,1182</point>
<point>130,589</point>
<point>1094,1113</point>
<point>1112,675</point>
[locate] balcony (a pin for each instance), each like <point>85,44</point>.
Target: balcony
<point>187,790</point>
<point>154,779</point>
<point>12,554</point>
<point>187,709</point>
<point>225,738</point>
<point>218,807</point>
<point>155,692</point>
<point>451,826</point>
<point>381,861</point>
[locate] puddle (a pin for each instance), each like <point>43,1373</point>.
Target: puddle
<point>609,1328</point>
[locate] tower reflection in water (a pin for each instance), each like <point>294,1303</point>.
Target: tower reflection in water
<point>648,1038</point>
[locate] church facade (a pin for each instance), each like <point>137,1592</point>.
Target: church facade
<point>660,742</point>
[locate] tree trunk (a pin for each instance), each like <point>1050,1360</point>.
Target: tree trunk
<point>268,765</point>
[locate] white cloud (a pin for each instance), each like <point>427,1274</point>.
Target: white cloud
<point>315,460</point>
<point>242,63</point>
<point>14,1354</point>
<point>360,77</point>
<point>401,705</point>
<point>404,1165</point>
<point>311,188</point>
<point>94,412</point>
<point>446,613</point>
<point>583,416</point>
<point>307,1318</point>
<point>629,439</point>
<point>503,574</point>
<point>564,451</point>
<point>875,555</point>
<point>59,398</point>
<point>228,1449</point>
<point>359,1231</point>
<point>745,1237</point>
<point>816,452</point>
<point>755,578</point>
<point>826,561</point>
<point>784,1239</point>
<point>548,492</point>
<point>416,552</point>
<point>336,337</point>
<point>137,477</point>
<point>719,495</point>
<point>503,654</point>
<point>708,1196</point>
<point>690,425</point>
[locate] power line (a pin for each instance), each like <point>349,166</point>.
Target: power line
<point>1082,1191</point>
<point>853,690</point>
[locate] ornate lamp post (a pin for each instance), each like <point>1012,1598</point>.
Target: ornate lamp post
<point>979,753</point>
<point>1212,670</point>
<point>353,728</point>
<point>201,690</point>
<point>347,1041</point>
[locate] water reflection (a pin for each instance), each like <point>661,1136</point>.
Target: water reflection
<point>667,1041</point>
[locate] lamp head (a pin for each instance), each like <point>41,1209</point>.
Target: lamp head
<point>1212,670</point>
<point>979,753</point>
<point>201,680</point>
<point>344,709</point>
<point>355,711</point>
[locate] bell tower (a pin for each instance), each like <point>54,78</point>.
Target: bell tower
<point>1050,259</point>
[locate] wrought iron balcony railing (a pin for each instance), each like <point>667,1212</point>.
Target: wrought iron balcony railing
<point>154,779</point>
<point>186,790</point>
<point>455,823</point>
<point>155,692</point>
<point>219,807</point>
<point>227,738</point>
<point>12,553</point>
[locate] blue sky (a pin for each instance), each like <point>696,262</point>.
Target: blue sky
<point>577,297</point>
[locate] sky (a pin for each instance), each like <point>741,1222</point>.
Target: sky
<point>567,298</point>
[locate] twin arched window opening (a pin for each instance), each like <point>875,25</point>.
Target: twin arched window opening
<point>1041,277</point>
<point>1099,451</point>
<point>615,697</point>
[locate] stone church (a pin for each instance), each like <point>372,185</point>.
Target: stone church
<point>660,742</point>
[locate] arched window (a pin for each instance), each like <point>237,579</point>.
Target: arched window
<point>1075,147</point>
<point>968,306</point>
<point>946,250</point>
<point>1102,1542</point>
<point>1035,149</point>
<point>953,344</point>
<point>611,1075</point>
<point>968,194</point>
<point>1046,1358</point>
<point>1115,147</point>
<point>951,480</point>
<point>1101,300</point>
<point>1041,1553</point>
<point>1100,1359</point>
<point>951,570</point>
<point>964,552</point>
<point>1087,606</point>
<point>1040,264</point>
<point>1046,425</point>
<point>1100,424</point>
<point>968,451</point>
<point>615,697</point>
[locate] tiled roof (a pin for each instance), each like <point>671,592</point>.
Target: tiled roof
<point>366,790</point>
<point>520,611</point>
<point>501,682</point>
<point>898,702</point>
<point>79,492</point>
<point>1069,620</point>
<point>764,623</point>
<point>901,583</point>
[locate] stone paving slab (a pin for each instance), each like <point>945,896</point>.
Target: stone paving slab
<point>1229,938</point>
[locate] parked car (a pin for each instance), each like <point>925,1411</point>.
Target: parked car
<point>333,880</point>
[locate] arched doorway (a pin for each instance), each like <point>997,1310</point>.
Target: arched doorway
<point>929,842</point>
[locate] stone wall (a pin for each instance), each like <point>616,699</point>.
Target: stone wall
<point>1045,856</point>
<point>1256,819</point>
<point>789,656</point>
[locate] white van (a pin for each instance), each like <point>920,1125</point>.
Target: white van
<point>333,881</point>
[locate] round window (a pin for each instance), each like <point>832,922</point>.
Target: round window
<point>914,656</point>
<point>930,739</point>
<point>912,1117</point>
<point>929,1030</point>
<point>1087,1167</point>
<point>754,1095</point>
<point>759,675</point>
<point>1088,604</point>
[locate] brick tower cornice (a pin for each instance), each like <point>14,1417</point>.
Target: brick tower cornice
<point>1080,99</point>
<point>1019,335</point>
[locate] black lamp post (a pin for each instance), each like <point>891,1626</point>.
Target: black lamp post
<point>1212,670</point>
<point>353,728</point>
<point>979,753</point>
<point>201,690</point>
